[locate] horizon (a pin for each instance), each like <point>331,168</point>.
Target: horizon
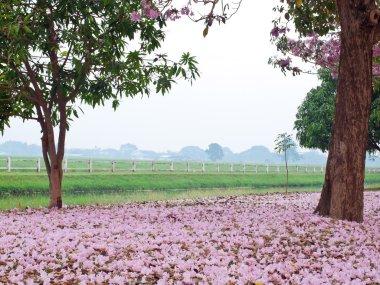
<point>299,149</point>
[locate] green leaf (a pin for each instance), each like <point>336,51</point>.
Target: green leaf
<point>27,30</point>
<point>17,29</point>
<point>27,18</point>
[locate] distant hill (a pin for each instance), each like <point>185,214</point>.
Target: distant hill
<point>256,154</point>
<point>192,153</point>
<point>15,148</point>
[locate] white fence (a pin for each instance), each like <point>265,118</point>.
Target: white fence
<point>11,164</point>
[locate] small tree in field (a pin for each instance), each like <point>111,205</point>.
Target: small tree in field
<point>55,55</point>
<point>284,142</point>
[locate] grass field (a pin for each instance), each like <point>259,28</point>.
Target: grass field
<point>102,198</point>
<point>29,183</point>
<point>31,189</point>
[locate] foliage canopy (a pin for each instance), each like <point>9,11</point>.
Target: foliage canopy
<point>57,54</point>
<point>315,116</point>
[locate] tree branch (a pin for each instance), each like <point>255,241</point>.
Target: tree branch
<point>10,114</point>
<point>37,89</point>
<point>26,85</point>
<point>46,124</point>
<point>84,70</point>
<point>68,54</point>
<point>55,65</point>
<point>56,81</point>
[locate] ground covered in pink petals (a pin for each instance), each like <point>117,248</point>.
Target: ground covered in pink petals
<point>270,239</point>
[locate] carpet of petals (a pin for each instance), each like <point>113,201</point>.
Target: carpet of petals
<point>268,239</point>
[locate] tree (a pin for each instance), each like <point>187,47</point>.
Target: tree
<point>315,116</point>
<point>293,154</point>
<point>58,54</point>
<point>284,143</point>
<point>357,22</point>
<point>215,152</point>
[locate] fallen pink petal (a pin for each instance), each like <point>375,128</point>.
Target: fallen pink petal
<point>272,239</point>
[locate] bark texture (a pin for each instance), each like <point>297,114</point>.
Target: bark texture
<point>342,193</point>
<point>53,161</point>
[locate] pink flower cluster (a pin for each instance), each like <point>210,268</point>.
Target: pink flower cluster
<point>276,31</point>
<point>175,14</point>
<point>149,10</point>
<point>273,239</point>
<point>321,51</point>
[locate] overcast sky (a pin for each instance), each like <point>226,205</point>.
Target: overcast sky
<point>238,102</point>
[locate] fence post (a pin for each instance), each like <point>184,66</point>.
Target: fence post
<point>65,165</point>
<point>314,169</point>
<point>322,169</point>
<point>278,169</point>
<point>256,168</point>
<point>267,168</point>
<point>171,166</point>
<point>90,166</point>
<point>306,169</point>
<point>203,167</point>
<point>297,168</point>
<point>187,166</point>
<point>113,165</point>
<point>218,167</point>
<point>153,165</point>
<point>38,165</point>
<point>244,168</point>
<point>9,164</point>
<point>133,166</point>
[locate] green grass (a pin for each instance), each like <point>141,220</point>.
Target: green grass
<point>102,198</point>
<point>31,183</point>
<point>31,189</point>
<point>28,183</point>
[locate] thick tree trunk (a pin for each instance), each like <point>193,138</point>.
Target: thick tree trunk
<point>342,193</point>
<point>55,185</point>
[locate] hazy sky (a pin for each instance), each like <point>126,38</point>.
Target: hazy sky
<point>239,101</point>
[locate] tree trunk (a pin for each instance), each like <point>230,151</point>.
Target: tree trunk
<point>287,174</point>
<point>342,193</point>
<point>287,180</point>
<point>55,187</point>
<point>53,163</point>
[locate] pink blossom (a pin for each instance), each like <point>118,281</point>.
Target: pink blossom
<point>271,239</point>
<point>135,16</point>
